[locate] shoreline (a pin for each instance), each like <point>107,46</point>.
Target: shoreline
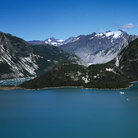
<point>9,88</point>
<point>83,87</point>
<point>16,87</point>
<point>46,88</point>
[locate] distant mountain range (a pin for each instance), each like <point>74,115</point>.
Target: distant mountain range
<point>53,41</point>
<point>115,74</point>
<point>94,48</point>
<point>20,59</point>
<point>99,48</point>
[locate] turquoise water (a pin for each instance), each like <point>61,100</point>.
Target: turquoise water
<point>69,113</point>
<point>15,81</point>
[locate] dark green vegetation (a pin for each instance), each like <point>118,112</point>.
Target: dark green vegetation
<point>107,76</point>
<point>67,74</point>
<point>115,74</point>
<point>129,61</point>
<point>20,59</point>
<point>64,74</point>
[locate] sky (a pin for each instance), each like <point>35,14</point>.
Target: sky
<point>41,19</point>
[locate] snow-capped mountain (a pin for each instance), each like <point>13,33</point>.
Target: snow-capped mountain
<point>116,74</point>
<point>99,48</point>
<point>20,59</point>
<point>53,41</point>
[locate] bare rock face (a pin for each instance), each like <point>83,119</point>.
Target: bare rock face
<point>99,48</point>
<point>20,59</point>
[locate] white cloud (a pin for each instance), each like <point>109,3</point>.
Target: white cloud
<point>128,26</point>
<point>125,26</point>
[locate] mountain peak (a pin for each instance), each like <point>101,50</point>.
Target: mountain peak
<point>121,30</point>
<point>51,38</point>
<point>98,48</point>
<point>108,31</point>
<point>114,34</point>
<point>53,41</point>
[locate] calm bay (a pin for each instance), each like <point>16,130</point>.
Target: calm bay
<point>69,113</point>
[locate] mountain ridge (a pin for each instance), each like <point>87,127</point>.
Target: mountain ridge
<point>99,48</point>
<point>52,41</point>
<point>95,48</point>
<point>20,59</point>
<point>116,74</point>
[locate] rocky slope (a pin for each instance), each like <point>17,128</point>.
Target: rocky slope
<point>20,59</point>
<point>99,48</point>
<point>115,74</point>
<point>127,61</point>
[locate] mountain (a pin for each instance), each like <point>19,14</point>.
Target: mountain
<point>53,41</point>
<point>99,48</point>
<point>35,42</point>
<point>20,59</point>
<point>116,74</point>
<point>127,61</point>
<point>64,74</point>
<point>94,48</point>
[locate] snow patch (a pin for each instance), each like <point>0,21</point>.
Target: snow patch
<point>91,38</point>
<point>89,64</point>
<point>54,43</point>
<point>103,36</point>
<point>86,80</point>
<point>60,41</point>
<point>76,39</point>
<point>98,35</point>
<point>117,61</point>
<point>117,34</point>
<point>49,40</point>
<point>96,76</point>
<point>109,69</point>
<point>109,34</point>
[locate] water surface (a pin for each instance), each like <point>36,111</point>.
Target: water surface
<point>69,113</point>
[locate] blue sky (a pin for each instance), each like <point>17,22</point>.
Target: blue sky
<point>41,19</point>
